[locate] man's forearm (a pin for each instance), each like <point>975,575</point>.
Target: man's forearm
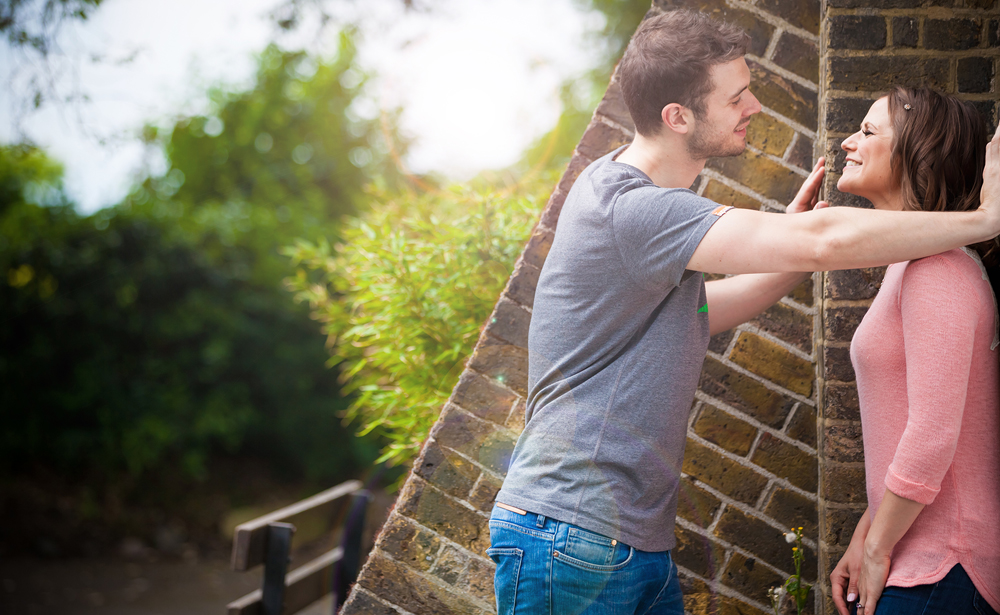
<point>735,300</point>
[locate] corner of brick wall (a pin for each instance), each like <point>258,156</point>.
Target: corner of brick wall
<point>951,46</point>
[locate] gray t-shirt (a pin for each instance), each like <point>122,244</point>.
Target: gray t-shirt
<point>618,335</point>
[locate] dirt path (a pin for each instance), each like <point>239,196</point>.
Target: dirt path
<point>110,587</point>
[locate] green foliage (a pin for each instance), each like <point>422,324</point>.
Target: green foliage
<point>793,586</point>
<point>404,295</point>
<point>285,159</point>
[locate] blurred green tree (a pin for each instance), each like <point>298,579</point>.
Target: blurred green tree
<point>125,350</point>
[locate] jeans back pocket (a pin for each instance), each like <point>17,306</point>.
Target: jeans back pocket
<point>508,561</point>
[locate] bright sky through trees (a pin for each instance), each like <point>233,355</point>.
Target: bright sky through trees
<point>478,80</point>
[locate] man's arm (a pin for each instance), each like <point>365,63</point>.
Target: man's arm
<point>735,300</point>
<point>745,241</point>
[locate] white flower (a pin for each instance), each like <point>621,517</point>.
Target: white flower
<point>790,537</point>
<point>781,591</point>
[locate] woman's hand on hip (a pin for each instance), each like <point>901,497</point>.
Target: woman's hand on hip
<point>844,578</point>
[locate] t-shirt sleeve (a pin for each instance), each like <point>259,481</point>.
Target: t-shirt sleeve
<point>657,231</point>
<point>939,318</point>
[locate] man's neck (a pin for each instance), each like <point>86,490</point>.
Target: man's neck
<point>664,160</point>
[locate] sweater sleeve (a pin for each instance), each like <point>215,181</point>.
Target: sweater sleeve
<point>940,312</point>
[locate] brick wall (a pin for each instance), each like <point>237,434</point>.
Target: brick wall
<point>756,461</point>
<point>947,44</point>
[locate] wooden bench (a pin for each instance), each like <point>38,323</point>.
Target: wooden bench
<point>267,540</point>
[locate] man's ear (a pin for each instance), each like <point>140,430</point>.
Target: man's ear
<point>677,118</point>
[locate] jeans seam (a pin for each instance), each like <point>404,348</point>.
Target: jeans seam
<point>524,530</point>
<point>659,594</point>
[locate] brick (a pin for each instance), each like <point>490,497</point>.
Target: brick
<point>696,505</point>
<point>841,401</point>
<point>771,361</point>
<point>737,481</point>
<point>504,363</point>
<point>446,470</point>
<point>475,438</point>
<point>744,393</point>
<point>786,461</point>
<point>797,55</point>
<point>803,293</point>
<point>905,32</point>
<point>987,109</point>
<point>844,484</point>
<point>599,139</point>
<point>837,198</point>
<point>761,539</point>
<point>411,591</point>
<point>745,576</point>
<point>408,543</point>
<point>485,493</point>
<point>840,525</point>
<point>793,509</point>
<point>840,323</point>
<point>451,565</point>
<point>951,34</point>
<point>576,165</point>
<point>787,324</point>
<point>845,115</point>
<point>837,364</point>
<point>856,32</point>
<point>613,106</point>
<point>993,33</point>
<point>802,153</point>
<point>725,430</point>
<point>482,397</point>
<point>786,97</point>
<point>854,284</point>
<point>515,421</point>
<point>769,135</point>
<point>803,425</point>
<point>843,443</point>
<point>522,284</point>
<point>478,579</point>
<point>438,512</point>
<point>981,4</point>
<point>538,247</point>
<point>878,73</point>
<point>975,75</point>
<point>723,194</point>
<point>699,554</point>
<point>509,322</point>
<point>800,13</point>
<point>550,214</point>
<point>720,341</point>
<point>760,174</point>
<point>361,602</point>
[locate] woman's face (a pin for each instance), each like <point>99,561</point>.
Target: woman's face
<point>867,172</point>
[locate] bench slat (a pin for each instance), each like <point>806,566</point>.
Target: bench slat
<point>303,586</point>
<point>248,542</point>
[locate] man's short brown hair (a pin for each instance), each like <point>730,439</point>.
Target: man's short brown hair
<point>668,61</point>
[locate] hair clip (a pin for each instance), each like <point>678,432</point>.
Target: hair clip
<point>907,106</point>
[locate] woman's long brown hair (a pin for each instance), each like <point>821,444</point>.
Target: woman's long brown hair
<point>938,155</point>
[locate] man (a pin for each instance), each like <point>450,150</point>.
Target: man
<point>622,318</point>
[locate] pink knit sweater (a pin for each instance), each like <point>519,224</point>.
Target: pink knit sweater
<point>929,387</point>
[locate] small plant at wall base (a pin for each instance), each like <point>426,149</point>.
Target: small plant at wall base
<point>793,586</point>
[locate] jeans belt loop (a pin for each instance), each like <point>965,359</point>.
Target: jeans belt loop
<point>541,521</point>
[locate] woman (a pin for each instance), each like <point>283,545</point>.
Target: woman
<point>925,356</point>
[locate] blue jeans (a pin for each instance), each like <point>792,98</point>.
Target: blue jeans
<point>548,567</point>
<point>954,594</point>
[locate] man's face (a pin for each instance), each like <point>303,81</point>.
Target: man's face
<point>722,129</point>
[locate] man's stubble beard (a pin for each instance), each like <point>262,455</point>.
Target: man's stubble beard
<point>701,146</point>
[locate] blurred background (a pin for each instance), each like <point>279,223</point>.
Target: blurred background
<point>246,247</point>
